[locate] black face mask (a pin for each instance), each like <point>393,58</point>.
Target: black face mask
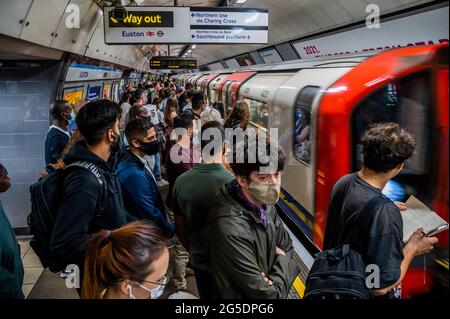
<point>151,148</point>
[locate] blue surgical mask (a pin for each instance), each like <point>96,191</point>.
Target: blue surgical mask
<point>71,119</point>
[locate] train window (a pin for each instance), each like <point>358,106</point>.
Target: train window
<point>259,112</point>
<point>407,102</point>
<point>302,124</point>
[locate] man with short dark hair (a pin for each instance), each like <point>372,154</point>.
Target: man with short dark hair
<point>193,199</point>
<point>386,147</point>
<point>189,87</point>
<point>140,98</point>
<point>251,252</point>
<point>180,158</point>
<point>84,198</point>
<point>198,104</point>
<point>140,191</point>
<point>57,136</point>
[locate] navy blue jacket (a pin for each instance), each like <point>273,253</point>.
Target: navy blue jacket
<point>140,192</point>
<point>55,142</point>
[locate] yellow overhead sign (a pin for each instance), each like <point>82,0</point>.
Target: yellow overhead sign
<point>141,19</point>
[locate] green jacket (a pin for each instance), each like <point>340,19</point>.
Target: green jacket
<point>11,267</point>
<point>242,248</point>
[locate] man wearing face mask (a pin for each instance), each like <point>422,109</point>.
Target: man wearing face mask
<point>197,107</point>
<point>57,136</point>
<point>251,252</point>
<point>139,186</point>
<point>87,205</point>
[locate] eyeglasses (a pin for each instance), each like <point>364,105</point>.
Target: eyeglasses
<point>163,282</point>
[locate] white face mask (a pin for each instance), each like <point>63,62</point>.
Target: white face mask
<point>154,293</point>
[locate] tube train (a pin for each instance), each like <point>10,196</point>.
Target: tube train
<point>322,106</point>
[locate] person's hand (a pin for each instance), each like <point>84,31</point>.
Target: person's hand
<point>280,251</point>
<point>421,244</point>
<point>266,279</point>
<point>401,206</point>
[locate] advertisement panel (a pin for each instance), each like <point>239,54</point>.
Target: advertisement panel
<point>94,92</point>
<point>73,95</point>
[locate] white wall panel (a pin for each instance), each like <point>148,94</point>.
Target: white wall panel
<point>11,13</point>
<point>75,40</point>
<point>42,20</point>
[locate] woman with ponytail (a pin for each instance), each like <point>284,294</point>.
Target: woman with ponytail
<point>127,263</point>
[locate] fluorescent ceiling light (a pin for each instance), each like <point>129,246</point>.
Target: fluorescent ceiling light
<point>194,46</point>
<point>241,1</point>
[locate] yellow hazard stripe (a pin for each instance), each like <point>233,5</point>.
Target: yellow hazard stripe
<point>299,287</point>
<point>297,211</point>
<point>442,262</point>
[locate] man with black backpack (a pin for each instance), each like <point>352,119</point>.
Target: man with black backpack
<point>365,228</point>
<point>90,197</point>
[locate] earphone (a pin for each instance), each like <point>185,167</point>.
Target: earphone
<point>129,291</point>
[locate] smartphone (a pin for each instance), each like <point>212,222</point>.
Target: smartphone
<point>437,230</point>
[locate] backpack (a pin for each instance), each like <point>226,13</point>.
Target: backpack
<point>340,272</point>
<point>46,196</point>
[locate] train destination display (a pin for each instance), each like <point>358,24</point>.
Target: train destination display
<point>164,63</point>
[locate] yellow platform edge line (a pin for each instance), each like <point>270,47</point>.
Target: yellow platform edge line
<point>442,262</point>
<point>299,287</point>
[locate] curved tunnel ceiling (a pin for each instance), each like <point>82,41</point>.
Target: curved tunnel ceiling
<point>43,22</point>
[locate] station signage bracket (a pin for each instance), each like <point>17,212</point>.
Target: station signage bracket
<point>185,25</point>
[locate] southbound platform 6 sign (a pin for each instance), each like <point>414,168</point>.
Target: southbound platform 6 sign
<point>146,25</point>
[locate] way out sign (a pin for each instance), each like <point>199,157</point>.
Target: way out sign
<point>171,25</point>
<point>144,25</point>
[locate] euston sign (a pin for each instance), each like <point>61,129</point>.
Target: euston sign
<point>147,25</point>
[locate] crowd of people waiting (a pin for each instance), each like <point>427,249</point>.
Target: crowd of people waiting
<point>218,218</point>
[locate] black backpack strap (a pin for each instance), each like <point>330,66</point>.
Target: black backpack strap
<point>96,171</point>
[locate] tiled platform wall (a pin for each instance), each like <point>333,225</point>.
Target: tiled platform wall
<point>26,91</point>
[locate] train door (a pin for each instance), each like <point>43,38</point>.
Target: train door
<point>214,88</point>
<point>409,102</point>
<point>386,89</point>
<point>198,83</point>
<point>226,97</point>
<point>206,82</point>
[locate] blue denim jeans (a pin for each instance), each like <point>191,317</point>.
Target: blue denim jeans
<point>157,168</point>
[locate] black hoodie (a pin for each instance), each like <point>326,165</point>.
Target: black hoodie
<point>76,220</point>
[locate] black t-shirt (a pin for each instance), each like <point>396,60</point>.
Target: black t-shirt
<point>381,244</point>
